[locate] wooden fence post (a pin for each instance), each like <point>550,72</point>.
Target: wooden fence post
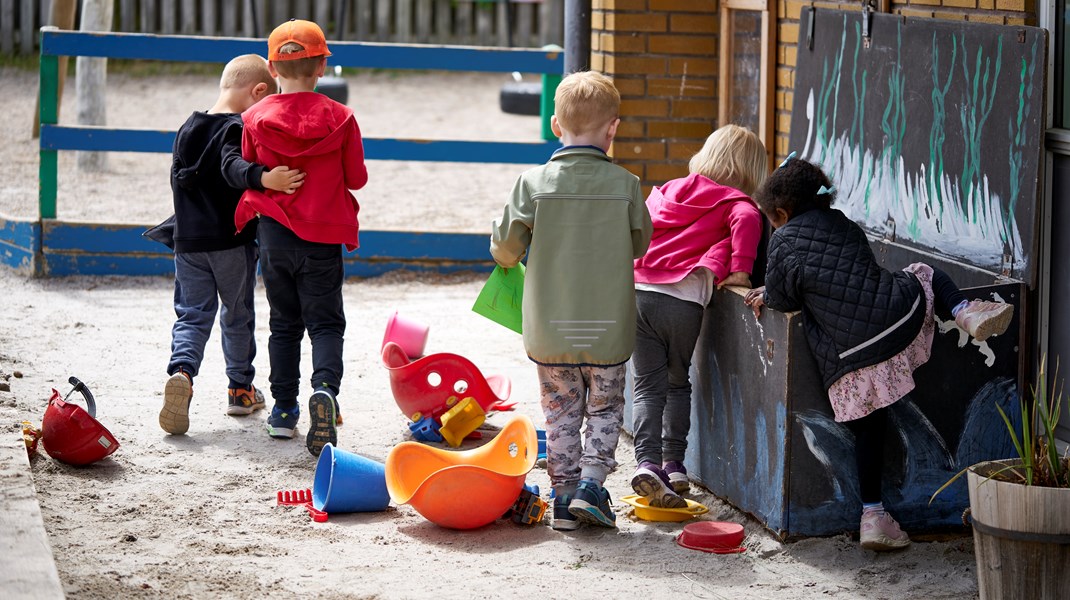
<point>91,81</point>
<point>61,16</point>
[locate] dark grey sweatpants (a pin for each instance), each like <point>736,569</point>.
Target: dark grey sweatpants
<point>667,330</point>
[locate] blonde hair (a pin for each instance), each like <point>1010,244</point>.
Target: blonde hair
<point>245,71</point>
<point>585,101</point>
<point>732,156</point>
<point>297,68</point>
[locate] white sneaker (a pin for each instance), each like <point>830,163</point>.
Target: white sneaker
<point>881,533</point>
<point>982,319</point>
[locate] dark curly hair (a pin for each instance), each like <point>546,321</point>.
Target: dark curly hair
<point>793,187</point>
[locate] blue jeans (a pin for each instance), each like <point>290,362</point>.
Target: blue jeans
<point>203,281</point>
<point>303,281</point>
<point>667,330</point>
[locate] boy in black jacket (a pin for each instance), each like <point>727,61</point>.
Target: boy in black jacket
<point>212,264</point>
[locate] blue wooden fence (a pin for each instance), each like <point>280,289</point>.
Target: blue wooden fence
<point>56,248</point>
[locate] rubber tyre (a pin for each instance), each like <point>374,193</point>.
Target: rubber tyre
<point>520,98</point>
<point>334,88</point>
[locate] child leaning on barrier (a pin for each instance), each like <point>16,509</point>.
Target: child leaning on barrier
<point>212,265</point>
<point>301,235</point>
<point>868,328</point>
<point>581,221</point>
<point>706,234</point>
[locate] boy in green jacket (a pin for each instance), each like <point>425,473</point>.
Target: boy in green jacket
<point>579,291</point>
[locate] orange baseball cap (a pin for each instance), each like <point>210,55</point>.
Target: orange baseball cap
<point>306,33</point>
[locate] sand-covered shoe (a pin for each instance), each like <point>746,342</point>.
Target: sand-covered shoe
<point>177,395</point>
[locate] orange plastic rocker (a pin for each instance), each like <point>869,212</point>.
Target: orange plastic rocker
<point>423,386</point>
<point>466,489</point>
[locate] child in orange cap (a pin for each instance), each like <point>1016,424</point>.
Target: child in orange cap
<point>301,234</point>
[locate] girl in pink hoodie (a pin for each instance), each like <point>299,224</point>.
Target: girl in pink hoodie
<point>706,234</point>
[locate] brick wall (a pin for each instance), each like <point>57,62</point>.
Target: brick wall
<point>662,55</point>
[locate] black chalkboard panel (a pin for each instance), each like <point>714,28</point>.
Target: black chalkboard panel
<point>931,130</point>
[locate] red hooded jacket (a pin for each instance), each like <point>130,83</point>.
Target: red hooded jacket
<point>699,223</point>
<point>311,132</point>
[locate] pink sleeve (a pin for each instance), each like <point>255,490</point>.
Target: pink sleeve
<point>745,225</point>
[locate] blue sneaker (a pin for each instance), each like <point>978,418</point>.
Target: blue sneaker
<point>563,519</point>
<point>591,504</point>
<point>322,428</point>
<point>282,423</point>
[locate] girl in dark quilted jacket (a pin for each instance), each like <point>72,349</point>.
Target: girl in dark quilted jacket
<point>868,328</point>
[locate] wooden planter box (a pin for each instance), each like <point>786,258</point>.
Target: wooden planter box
<point>1021,536</point>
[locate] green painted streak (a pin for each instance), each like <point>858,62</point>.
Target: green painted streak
<point>49,108</point>
<point>937,134</point>
<point>980,100</point>
<point>546,103</point>
<point>855,122</point>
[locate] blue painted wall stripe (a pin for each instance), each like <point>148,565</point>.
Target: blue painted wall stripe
<point>346,54</point>
<point>55,137</point>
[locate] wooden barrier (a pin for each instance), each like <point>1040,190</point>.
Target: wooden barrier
<point>77,248</point>
<point>513,23</point>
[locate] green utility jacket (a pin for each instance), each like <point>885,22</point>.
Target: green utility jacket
<point>582,220</point>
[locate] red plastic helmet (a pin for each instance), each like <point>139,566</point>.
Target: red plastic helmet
<point>70,433</point>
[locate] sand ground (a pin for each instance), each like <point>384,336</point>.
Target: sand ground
<point>194,516</point>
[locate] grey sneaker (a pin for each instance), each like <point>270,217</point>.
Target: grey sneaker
<point>177,394</point>
<point>322,428</point>
<point>591,504</point>
<point>653,484</point>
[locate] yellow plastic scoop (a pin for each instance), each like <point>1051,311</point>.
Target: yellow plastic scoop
<point>644,511</point>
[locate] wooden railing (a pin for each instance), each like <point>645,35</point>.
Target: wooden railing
<point>507,23</point>
<point>55,43</point>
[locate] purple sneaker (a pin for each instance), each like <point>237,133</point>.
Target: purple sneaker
<point>653,484</point>
<point>677,476</point>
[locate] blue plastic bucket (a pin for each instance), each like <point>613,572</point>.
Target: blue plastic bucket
<point>348,482</point>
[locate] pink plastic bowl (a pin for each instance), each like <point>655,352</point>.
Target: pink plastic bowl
<point>712,536</point>
<point>410,335</point>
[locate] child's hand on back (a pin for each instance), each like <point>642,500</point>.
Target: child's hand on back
<point>283,179</point>
<point>755,299</point>
<point>739,278</point>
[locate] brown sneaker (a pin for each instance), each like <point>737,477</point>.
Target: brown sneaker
<point>241,401</point>
<point>982,319</point>
<point>177,394</point>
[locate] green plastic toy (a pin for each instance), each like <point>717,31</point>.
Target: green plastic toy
<point>501,297</point>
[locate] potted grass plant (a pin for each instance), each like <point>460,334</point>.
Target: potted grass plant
<point>1021,506</point>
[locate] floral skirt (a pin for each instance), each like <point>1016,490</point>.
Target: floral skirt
<point>861,392</point>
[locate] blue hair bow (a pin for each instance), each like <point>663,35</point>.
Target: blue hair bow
<point>823,191</point>
<point>788,159</point>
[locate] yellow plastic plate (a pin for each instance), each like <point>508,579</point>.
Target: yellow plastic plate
<point>644,511</point>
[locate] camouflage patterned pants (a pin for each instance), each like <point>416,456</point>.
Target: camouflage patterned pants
<point>570,396</point>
